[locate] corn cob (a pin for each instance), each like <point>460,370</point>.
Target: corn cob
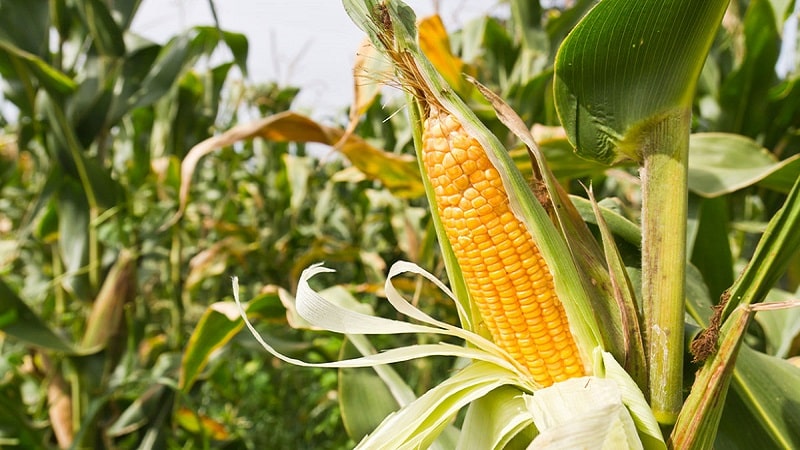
<point>506,276</point>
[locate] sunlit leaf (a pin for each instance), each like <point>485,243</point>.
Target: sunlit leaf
<point>214,260</point>
<point>435,44</point>
<point>619,225</point>
<point>772,255</point>
<point>721,163</point>
<point>140,412</point>
<point>218,325</point>
<point>239,46</point>
<point>198,423</point>
<point>399,173</point>
<point>73,237</point>
<point>51,78</point>
<point>177,57</point>
<point>370,71</point>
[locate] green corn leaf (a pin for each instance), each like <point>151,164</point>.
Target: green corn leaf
<point>768,386</point>
<point>105,32</point>
<point>721,163</point>
<point>744,98</point>
<point>367,397</point>
<point>178,56</point>
<point>73,237</point>
<point>772,256</point>
<point>20,322</point>
<point>55,81</point>
<point>699,418</point>
<point>219,323</point>
<point>364,397</point>
<point>781,327</point>
<point>626,67</point>
<point>711,217</point>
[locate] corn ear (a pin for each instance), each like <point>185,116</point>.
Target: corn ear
<point>391,26</point>
<point>506,276</point>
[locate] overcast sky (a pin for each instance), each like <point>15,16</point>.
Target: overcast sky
<point>307,43</point>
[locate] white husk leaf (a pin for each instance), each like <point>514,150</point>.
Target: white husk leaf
<point>582,413</point>
<point>321,313</point>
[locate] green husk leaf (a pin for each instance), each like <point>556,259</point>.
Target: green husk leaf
<point>119,288</point>
<point>586,254</point>
<point>625,297</point>
<point>418,424</point>
<point>496,419</point>
<point>633,398</point>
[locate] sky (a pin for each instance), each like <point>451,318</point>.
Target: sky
<point>306,43</point>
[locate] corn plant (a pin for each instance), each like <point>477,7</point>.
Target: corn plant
<point>565,345</point>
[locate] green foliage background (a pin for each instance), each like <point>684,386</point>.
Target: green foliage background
<point>111,334</point>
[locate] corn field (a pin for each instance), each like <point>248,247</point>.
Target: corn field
<point>569,226</point>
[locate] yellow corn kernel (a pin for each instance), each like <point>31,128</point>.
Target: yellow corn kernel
<point>506,276</point>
